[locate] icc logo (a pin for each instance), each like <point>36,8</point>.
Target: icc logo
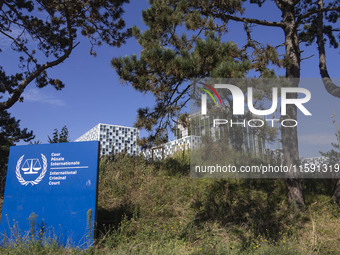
<point>32,167</point>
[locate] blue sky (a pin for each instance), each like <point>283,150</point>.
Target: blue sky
<point>94,93</point>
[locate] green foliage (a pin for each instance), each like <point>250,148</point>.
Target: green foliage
<point>158,210</point>
<point>309,32</point>
<point>44,33</point>
<point>334,154</point>
<point>89,229</point>
<point>10,133</point>
<point>148,208</point>
<point>35,142</point>
<point>33,224</point>
<point>178,163</point>
<point>36,241</point>
<point>185,41</point>
<point>61,137</point>
<point>180,44</point>
<point>333,157</point>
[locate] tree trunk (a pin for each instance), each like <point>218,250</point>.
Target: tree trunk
<point>330,86</point>
<point>289,134</point>
<point>336,194</point>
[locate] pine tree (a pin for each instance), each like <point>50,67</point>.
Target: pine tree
<point>10,133</point>
<point>61,137</point>
<point>43,34</point>
<point>179,45</point>
<point>171,58</point>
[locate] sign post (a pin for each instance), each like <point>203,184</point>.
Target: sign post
<point>51,192</point>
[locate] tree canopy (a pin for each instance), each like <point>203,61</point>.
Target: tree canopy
<point>179,45</point>
<point>43,34</point>
<point>184,40</point>
<point>10,133</point>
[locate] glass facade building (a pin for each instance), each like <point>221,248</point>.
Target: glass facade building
<point>203,125</point>
<point>113,139</point>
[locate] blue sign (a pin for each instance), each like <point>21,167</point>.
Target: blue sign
<point>51,192</point>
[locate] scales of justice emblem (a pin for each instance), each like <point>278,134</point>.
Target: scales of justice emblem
<point>31,166</point>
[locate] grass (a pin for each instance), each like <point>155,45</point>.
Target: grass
<point>155,208</point>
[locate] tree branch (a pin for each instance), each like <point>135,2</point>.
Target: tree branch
<point>19,45</point>
<point>250,42</point>
<point>330,86</point>
<point>173,93</point>
<point>311,12</point>
<point>21,87</point>
<point>307,57</point>
<point>253,21</point>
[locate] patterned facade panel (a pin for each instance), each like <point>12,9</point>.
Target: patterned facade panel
<point>167,149</point>
<point>315,160</point>
<point>113,139</point>
<point>91,135</point>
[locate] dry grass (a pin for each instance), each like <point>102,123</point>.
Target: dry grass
<point>152,209</point>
